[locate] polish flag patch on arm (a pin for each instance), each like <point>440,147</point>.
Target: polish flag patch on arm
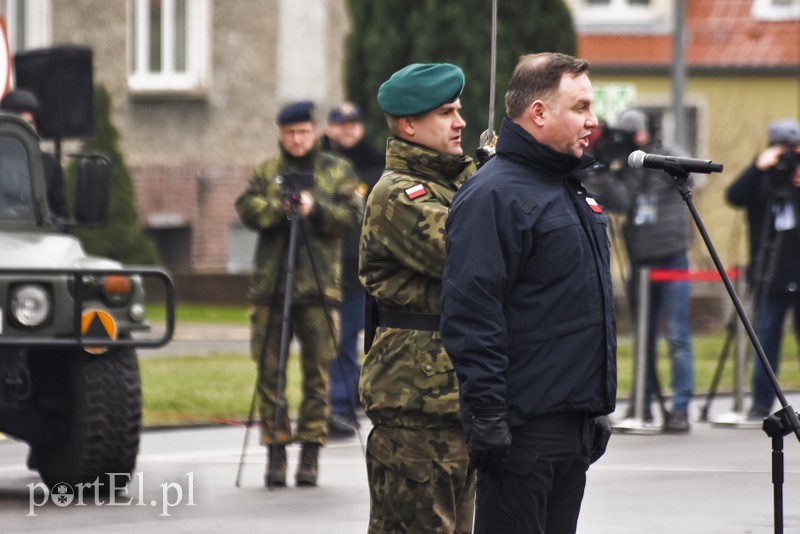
<point>593,205</point>
<point>416,191</point>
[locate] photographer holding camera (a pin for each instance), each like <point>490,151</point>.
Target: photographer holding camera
<point>322,191</point>
<point>770,191</point>
<point>657,232</point>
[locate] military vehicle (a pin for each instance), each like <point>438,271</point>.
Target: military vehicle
<point>70,323</point>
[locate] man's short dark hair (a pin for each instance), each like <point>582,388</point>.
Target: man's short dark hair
<point>538,76</point>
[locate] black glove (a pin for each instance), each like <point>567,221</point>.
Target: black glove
<point>600,432</point>
<point>490,438</point>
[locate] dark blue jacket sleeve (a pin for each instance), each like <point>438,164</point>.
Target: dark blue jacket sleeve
<point>473,327</point>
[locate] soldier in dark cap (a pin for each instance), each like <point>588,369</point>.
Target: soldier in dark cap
<point>329,206</point>
<point>25,104</point>
<point>418,466</point>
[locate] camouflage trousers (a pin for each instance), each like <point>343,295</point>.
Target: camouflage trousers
<point>420,481</point>
<point>309,324</point>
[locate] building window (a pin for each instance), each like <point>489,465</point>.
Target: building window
<point>662,127</point>
<point>616,4</point>
<point>241,246</point>
<point>591,13</point>
<point>776,9</point>
<point>168,45</point>
<point>28,23</point>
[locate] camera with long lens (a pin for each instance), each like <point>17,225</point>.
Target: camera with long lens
<point>291,183</point>
<point>782,173</point>
<point>613,147</point>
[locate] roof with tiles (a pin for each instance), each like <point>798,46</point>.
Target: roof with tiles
<point>719,33</point>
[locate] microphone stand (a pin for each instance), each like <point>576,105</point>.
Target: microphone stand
<point>783,422</point>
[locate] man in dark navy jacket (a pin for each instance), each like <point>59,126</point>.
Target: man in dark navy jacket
<point>527,315</point>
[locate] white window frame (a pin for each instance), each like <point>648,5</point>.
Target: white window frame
<point>620,16</point>
<point>769,10</point>
<point>37,18</point>
<point>198,36</point>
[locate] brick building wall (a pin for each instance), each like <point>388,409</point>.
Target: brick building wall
<point>189,212</point>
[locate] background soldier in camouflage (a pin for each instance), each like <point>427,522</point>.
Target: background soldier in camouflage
<point>417,461</point>
<point>329,209</point>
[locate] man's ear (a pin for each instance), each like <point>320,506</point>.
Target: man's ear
<point>406,125</point>
<point>536,112</point>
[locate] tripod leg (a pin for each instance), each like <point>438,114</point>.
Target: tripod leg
<point>332,324</point>
<point>262,330</point>
<point>723,356</point>
<point>315,358</point>
<point>259,343</point>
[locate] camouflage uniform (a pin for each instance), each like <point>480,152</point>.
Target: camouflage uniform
<point>338,209</point>
<point>417,460</point>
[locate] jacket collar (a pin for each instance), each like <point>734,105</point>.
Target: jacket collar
<point>403,156</point>
<point>518,145</point>
<point>302,163</point>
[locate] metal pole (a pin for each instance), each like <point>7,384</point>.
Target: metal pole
<point>679,74</point>
<point>492,75</point>
<point>640,363</point>
<point>741,359</point>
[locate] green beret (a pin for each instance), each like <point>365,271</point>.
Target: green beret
<point>420,87</point>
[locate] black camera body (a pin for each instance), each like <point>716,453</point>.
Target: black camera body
<point>782,173</point>
<point>613,147</point>
<point>294,182</point>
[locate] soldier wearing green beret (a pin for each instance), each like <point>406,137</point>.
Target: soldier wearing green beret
<point>417,461</point>
<point>329,207</point>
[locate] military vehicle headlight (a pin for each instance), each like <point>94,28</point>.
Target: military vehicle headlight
<point>117,289</point>
<point>30,305</point>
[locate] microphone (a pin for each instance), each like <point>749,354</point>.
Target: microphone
<point>639,160</point>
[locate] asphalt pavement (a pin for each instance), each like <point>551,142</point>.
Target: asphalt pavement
<point>718,479</point>
<point>200,339</point>
<point>714,480</point>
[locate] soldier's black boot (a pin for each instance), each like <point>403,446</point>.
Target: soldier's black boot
<point>276,466</point>
<point>308,469</point>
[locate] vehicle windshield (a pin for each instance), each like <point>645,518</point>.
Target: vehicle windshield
<point>16,198</point>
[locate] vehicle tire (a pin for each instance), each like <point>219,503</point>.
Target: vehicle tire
<point>104,421</point>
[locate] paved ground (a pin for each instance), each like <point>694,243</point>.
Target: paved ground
<point>712,481</point>
<point>716,480</point>
<point>201,339</point>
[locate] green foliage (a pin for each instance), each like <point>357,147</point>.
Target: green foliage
<point>121,238</point>
<point>386,36</point>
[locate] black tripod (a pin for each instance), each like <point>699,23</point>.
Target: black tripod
<point>292,185</point>
<point>785,420</point>
<point>763,271</point>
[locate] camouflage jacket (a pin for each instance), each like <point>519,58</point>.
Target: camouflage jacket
<point>338,208</point>
<point>407,378</point>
